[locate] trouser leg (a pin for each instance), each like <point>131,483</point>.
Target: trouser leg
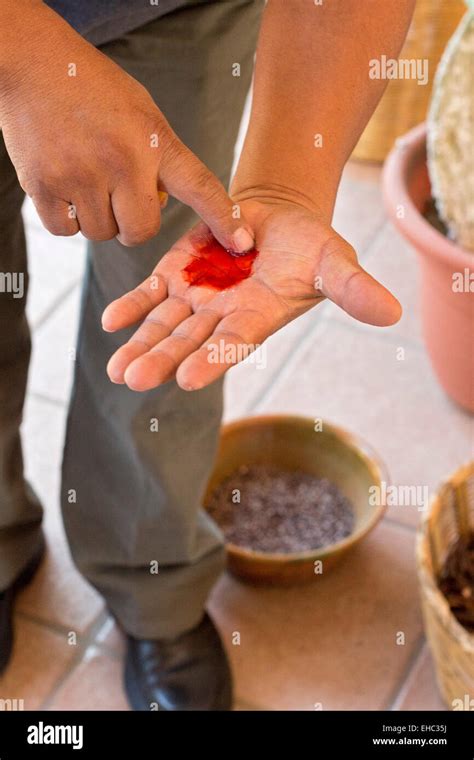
<point>136,464</point>
<point>20,511</point>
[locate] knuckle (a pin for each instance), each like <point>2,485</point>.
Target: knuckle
<point>132,236</point>
<point>99,235</point>
<point>200,183</point>
<point>334,245</point>
<point>173,152</point>
<point>35,187</point>
<point>58,228</point>
<point>205,188</point>
<point>56,183</point>
<point>118,160</point>
<point>81,179</point>
<point>202,179</point>
<point>106,234</point>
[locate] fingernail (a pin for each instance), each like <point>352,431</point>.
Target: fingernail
<point>242,240</point>
<point>188,387</point>
<point>104,324</point>
<point>115,377</point>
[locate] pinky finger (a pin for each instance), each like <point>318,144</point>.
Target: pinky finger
<point>136,304</point>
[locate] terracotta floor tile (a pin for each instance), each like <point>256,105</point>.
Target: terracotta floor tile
<point>95,684</point>
<point>111,637</point>
<point>353,378</point>
<point>40,657</point>
<point>246,383</point>
<point>421,690</point>
<point>58,594</point>
<point>332,642</point>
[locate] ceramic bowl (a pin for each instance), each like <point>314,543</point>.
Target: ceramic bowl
<point>297,443</point>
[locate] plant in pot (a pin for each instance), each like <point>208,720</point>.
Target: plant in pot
<point>429,193</point>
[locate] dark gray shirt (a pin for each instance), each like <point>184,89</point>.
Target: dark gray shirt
<point>102,20</point>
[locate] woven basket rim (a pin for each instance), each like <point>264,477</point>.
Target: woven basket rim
<point>438,602</point>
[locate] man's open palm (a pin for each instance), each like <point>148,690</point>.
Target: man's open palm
<point>301,260</point>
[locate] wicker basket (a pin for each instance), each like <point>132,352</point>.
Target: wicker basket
<point>405,103</point>
<point>451,515</point>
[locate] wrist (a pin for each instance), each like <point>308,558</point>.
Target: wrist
<point>277,194</point>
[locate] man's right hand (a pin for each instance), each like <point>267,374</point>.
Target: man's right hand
<point>88,143</point>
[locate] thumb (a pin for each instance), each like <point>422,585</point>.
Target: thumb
<point>346,283</point>
<point>185,177</point>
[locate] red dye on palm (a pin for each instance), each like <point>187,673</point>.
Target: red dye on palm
<point>215,267</point>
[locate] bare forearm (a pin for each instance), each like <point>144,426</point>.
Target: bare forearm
<point>34,40</point>
<point>20,27</point>
<point>313,95</point>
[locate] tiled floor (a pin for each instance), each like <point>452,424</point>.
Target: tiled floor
<point>330,645</point>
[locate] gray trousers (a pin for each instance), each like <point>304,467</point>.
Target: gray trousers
<point>135,464</point>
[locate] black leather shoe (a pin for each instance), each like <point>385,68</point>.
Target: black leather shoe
<point>190,672</point>
<point>7,601</point>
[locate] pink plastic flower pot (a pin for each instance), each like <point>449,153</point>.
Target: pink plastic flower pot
<point>447,271</point>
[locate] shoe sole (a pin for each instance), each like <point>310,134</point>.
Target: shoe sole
<point>23,580</point>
